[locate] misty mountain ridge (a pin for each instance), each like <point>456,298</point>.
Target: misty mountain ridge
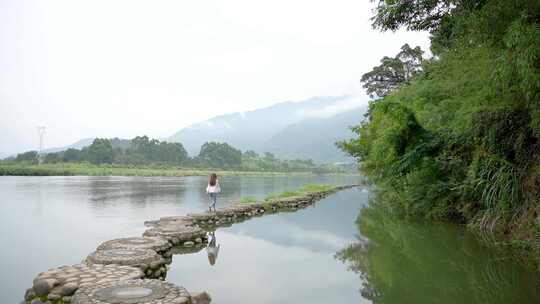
<point>315,138</point>
<point>85,142</point>
<point>117,143</point>
<point>305,129</point>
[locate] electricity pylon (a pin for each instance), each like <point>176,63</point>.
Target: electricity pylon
<point>41,133</point>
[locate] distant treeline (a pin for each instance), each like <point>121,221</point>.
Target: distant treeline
<point>142,150</point>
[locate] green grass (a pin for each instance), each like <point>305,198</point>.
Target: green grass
<point>284,194</point>
<point>303,191</point>
<point>309,188</point>
<point>248,200</point>
<point>86,169</point>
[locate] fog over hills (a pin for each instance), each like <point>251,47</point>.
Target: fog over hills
<point>315,137</point>
<point>304,129</point>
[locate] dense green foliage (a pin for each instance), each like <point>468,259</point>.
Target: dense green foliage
<point>29,156</point>
<point>220,155</point>
<point>138,151</point>
<point>100,151</point>
<point>394,72</point>
<point>142,152</point>
<point>461,141</point>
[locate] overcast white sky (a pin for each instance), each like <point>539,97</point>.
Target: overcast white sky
<point>125,67</point>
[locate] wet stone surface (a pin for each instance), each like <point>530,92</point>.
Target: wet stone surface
<point>157,244</point>
<point>150,262</point>
<point>129,257</point>
<point>176,233</point>
<point>132,292</point>
<point>61,283</point>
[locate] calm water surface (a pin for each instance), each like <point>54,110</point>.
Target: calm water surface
<point>322,254</point>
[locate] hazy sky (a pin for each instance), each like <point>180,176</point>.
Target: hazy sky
<point>125,67</point>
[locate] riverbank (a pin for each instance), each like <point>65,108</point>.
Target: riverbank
<point>459,141</point>
<point>85,169</point>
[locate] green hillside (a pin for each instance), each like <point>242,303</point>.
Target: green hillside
<point>460,139</point>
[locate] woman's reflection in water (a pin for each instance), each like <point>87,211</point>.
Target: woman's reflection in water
<point>212,249</point>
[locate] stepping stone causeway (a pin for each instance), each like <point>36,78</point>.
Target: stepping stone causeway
<point>124,271</point>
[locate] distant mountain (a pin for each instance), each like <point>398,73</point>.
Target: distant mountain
<point>115,142</point>
<point>77,145</point>
<point>304,129</point>
<point>314,138</point>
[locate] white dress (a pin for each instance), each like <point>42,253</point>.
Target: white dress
<point>213,189</point>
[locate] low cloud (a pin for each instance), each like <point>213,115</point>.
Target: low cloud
<point>352,102</point>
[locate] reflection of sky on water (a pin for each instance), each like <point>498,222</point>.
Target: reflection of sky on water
<point>281,258</point>
<point>325,228</point>
<point>251,270</point>
<point>52,221</point>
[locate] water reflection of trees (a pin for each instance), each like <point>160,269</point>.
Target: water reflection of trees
<point>135,190</point>
<point>404,262</point>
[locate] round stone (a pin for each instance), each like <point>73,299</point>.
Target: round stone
<point>175,233</point>
<point>201,297</point>
<point>69,289</point>
<point>129,292</point>
<point>128,257</point>
<point>43,286</point>
<point>154,243</point>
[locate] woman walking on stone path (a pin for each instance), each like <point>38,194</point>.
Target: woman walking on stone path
<point>213,189</point>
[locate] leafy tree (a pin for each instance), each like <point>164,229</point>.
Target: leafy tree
<point>173,153</point>
<point>220,155</point>
<point>52,158</point>
<point>419,15</point>
<point>100,151</point>
<point>143,146</point>
<point>416,15</point>
<point>250,154</point>
<point>27,156</point>
<point>71,155</point>
<point>394,72</point>
<point>269,155</point>
<point>143,150</point>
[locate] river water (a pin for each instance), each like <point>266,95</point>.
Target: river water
<point>322,254</point>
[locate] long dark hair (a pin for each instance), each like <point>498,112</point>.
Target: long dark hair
<point>213,179</point>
